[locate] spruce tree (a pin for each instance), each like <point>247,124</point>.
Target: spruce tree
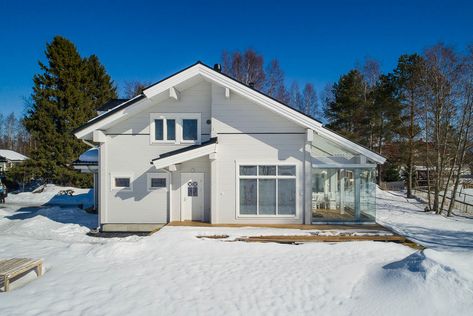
<point>65,96</point>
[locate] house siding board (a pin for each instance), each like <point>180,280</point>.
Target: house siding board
<point>195,99</point>
<point>130,153</point>
<point>239,115</point>
<point>241,148</point>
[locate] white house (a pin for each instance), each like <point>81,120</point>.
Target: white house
<point>8,158</point>
<point>201,146</point>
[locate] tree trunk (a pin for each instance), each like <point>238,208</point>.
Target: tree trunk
<point>410,160</point>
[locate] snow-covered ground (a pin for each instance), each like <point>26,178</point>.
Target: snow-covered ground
<point>173,272</point>
<point>50,195</point>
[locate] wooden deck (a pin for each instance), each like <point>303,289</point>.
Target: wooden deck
<point>374,232</point>
<point>376,227</point>
<point>286,239</point>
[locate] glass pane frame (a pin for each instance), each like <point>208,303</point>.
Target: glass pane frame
<point>192,134</point>
<point>161,177</point>
<point>343,194</point>
<point>243,173</point>
<point>126,179</point>
<point>168,128</point>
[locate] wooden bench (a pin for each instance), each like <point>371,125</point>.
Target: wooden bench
<point>10,268</point>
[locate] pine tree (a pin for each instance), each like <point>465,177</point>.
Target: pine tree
<point>408,81</point>
<point>347,112</point>
<point>65,95</point>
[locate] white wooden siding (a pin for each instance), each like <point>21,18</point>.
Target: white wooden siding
<point>254,149</point>
<point>195,99</point>
<point>239,115</point>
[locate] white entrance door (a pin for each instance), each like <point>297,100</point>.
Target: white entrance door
<point>192,196</point>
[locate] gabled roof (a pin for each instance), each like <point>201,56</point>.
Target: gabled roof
<point>140,103</point>
<point>110,104</point>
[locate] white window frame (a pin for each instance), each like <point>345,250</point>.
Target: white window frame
<point>157,175</point>
<point>178,117</point>
<point>114,176</point>
<point>276,177</point>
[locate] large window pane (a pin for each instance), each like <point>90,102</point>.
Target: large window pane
<point>267,170</point>
<point>248,196</point>
<point>171,129</point>
<point>287,196</point>
<point>267,196</point>
<point>248,170</point>
<point>287,170</point>
<point>158,130</point>
<point>189,129</point>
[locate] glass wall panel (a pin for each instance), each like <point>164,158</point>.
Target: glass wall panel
<point>368,194</point>
<point>343,195</point>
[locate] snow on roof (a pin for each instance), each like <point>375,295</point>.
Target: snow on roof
<point>90,155</point>
<point>12,155</point>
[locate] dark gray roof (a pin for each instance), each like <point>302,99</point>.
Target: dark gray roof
<point>110,104</point>
<point>84,163</point>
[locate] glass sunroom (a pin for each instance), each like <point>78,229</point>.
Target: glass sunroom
<point>343,185</point>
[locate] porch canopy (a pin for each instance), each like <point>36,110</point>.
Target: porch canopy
<point>343,183</point>
<point>88,161</point>
<point>185,154</point>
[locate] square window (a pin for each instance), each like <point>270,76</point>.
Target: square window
<point>267,190</point>
<point>158,183</point>
<point>159,129</point>
<point>189,129</point>
<point>122,183</point>
<point>171,129</point>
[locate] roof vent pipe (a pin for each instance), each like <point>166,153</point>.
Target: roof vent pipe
<point>218,67</point>
<point>251,84</point>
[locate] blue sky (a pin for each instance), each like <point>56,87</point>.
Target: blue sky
<point>315,41</point>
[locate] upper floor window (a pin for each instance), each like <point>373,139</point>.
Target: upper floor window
<point>175,128</point>
<point>189,129</point>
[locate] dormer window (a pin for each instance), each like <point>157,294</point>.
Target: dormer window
<point>175,128</point>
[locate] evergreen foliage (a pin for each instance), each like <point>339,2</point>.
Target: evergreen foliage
<point>346,112</point>
<point>65,95</point>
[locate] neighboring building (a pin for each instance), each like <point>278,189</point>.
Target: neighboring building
<point>8,158</point>
<point>202,146</point>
